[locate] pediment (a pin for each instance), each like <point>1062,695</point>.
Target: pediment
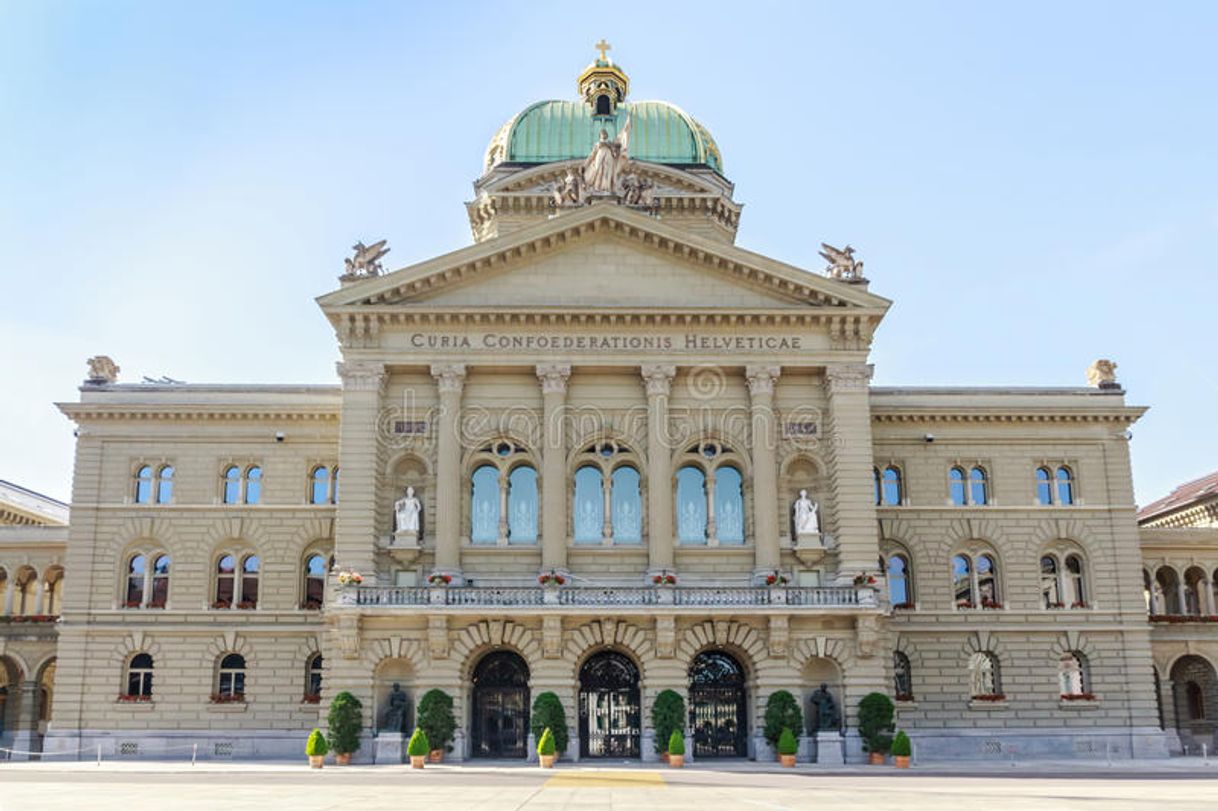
<point>604,256</point>
<point>541,180</point>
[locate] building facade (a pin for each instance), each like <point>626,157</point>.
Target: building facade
<point>603,452</point>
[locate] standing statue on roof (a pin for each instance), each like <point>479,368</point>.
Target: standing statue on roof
<point>608,161</point>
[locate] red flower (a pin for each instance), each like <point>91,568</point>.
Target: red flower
<point>1078,696</point>
<point>127,698</point>
<point>990,697</point>
<point>228,698</point>
<point>311,698</point>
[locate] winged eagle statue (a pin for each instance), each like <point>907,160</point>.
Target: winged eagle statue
<point>842,264</point>
<point>366,261</point>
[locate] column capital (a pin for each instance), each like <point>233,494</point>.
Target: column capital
<point>761,379</point>
<point>361,375</point>
<point>849,376</point>
<point>450,377</point>
<point>553,377</point>
<point>658,378</point>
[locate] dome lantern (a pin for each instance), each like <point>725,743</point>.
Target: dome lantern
<point>603,85</point>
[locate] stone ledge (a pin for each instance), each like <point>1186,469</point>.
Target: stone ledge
<point>228,706</point>
<point>1079,704</point>
<point>973,704</point>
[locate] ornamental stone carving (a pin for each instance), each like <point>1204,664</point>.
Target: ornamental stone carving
<point>842,264</point>
<point>551,637</point>
<point>761,378</point>
<point>780,635</point>
<point>437,636</point>
<point>102,370</point>
<point>406,510</point>
<point>1102,375</point>
<point>849,376</point>
<point>658,378</point>
<point>365,260</point>
<point>450,377</point>
<point>361,376</point>
<point>807,521</point>
<point>553,377</point>
<point>666,637</point>
<point>867,635</point>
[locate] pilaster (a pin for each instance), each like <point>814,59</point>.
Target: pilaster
<point>450,381</point>
<point>358,455</point>
<point>553,378</point>
<point>658,381</point>
<point>761,381</point>
<point>849,455</point>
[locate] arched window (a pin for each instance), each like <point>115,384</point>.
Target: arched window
<point>987,581</point>
<point>226,582</point>
<point>319,486</point>
<point>139,676</point>
<point>52,592</point>
<point>143,485</point>
<point>250,568</point>
<point>314,582</point>
<point>1075,585</point>
<point>957,488</point>
<point>230,681</point>
<point>253,485</point>
<point>522,505</point>
<point>164,487</point>
<point>627,501</point>
<point>902,677</point>
<point>484,507</point>
<point>1044,486</point>
<point>978,486</point>
<point>603,106</point>
<point>1050,589</point>
<point>889,491</point>
<point>1072,674</point>
<point>232,485</point>
<point>1168,583</point>
<point>1194,590</point>
<point>1065,486</point>
<point>984,676</point>
<point>691,505</point>
<point>334,486</point>
<point>975,580</point>
<point>160,582</point>
<point>900,595</point>
<point>589,506</point>
<point>729,505</point>
<point>313,678</point>
<point>1148,591</point>
<point>137,569</point>
<point>962,581</point>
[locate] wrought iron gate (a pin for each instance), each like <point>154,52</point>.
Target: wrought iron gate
<point>609,715</point>
<point>718,713</point>
<point>500,722</point>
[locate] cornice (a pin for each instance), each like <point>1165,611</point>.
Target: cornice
<point>937,414</point>
<point>128,411</point>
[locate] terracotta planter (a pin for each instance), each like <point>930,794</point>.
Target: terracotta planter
<point>788,761</point>
<point>316,761</point>
<point>547,761</point>
<point>900,761</point>
<point>664,756</point>
<point>435,756</point>
<point>343,759</point>
<point>416,761</point>
<point>875,758</point>
<point>676,761</point>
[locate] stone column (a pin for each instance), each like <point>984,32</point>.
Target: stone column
<point>358,458</point>
<point>450,380</point>
<point>1207,600</point>
<point>9,590</point>
<point>658,380</point>
<point>25,732</point>
<point>850,459</point>
<point>765,467</point>
<point>553,377</point>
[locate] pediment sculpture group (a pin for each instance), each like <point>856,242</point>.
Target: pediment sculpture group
<point>606,172</point>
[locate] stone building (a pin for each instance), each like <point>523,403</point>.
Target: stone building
<point>603,390</point>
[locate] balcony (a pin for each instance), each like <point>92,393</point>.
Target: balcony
<point>574,599</point>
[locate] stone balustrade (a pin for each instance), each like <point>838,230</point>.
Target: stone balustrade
<point>528,597</point>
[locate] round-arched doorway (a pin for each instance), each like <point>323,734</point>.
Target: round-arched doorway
<point>609,707</point>
<point>718,708</point>
<point>499,727</point>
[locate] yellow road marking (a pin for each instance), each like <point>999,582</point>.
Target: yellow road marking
<point>606,779</point>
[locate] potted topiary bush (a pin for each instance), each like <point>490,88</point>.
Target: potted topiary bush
<point>875,725</point>
<point>667,715</point>
<point>437,720</point>
<point>418,748</point>
<point>901,750</point>
<point>676,749</point>
<point>316,748</point>
<point>346,721</point>
<point>549,714</point>
<point>788,745</point>
<point>781,712</point>
<point>545,749</point>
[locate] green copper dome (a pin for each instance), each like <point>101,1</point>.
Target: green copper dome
<point>551,131</point>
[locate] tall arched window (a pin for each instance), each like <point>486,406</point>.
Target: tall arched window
<point>987,581</point>
<point>957,488</point>
<point>160,582</point>
<point>1076,586</point>
<point>1065,486</point>
<point>230,678</point>
<point>978,486</point>
<point>484,507</point>
<point>52,591</point>
<point>232,485</point>
<point>984,677</point>
<point>1072,674</point>
<point>691,505</point>
<point>143,485</point>
<point>900,593</point>
<point>164,487</point>
<point>962,581</point>
<point>627,503</point>
<point>889,492</point>
<point>975,580</point>
<point>250,568</point>
<point>729,505</point>
<point>137,568</point>
<point>1050,593</point>
<point>589,506</point>
<point>253,485</point>
<point>313,678</point>
<point>1044,486</point>
<point>902,677</point>
<point>319,485</point>
<point>226,582</point>
<point>139,676</point>
<point>522,505</point>
<point>968,488</point>
<point>314,582</point>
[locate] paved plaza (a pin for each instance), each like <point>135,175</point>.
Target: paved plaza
<point>1179,783</point>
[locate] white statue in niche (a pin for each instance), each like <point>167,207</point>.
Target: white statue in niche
<point>407,511</point>
<point>806,520</point>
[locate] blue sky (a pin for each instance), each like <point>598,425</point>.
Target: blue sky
<point>1033,184</point>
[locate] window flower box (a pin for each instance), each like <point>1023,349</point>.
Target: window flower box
<point>1055,605</point>
<point>776,578</point>
<point>311,698</point>
<point>132,604</point>
<point>311,605</point>
<point>156,604</point>
<point>1079,604</point>
<point>904,697</point>
<point>228,698</point>
<point>965,604</point>
<point>665,578</point>
<point>551,578</point>
<point>247,605</point>
<point>1176,619</point>
<point>221,604</point>
<point>903,607</point>
<point>864,579</point>
<point>440,579</point>
<point>991,697</point>
<point>1078,696</point>
<point>125,698</point>
<point>40,618</point>
<point>991,605</point>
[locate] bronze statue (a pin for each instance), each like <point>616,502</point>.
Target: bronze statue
<point>822,710</point>
<point>395,714</point>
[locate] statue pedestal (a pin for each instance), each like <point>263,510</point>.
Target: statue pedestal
<point>830,748</point>
<point>406,537</point>
<point>811,547</point>
<point>402,546</point>
<point>390,748</point>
